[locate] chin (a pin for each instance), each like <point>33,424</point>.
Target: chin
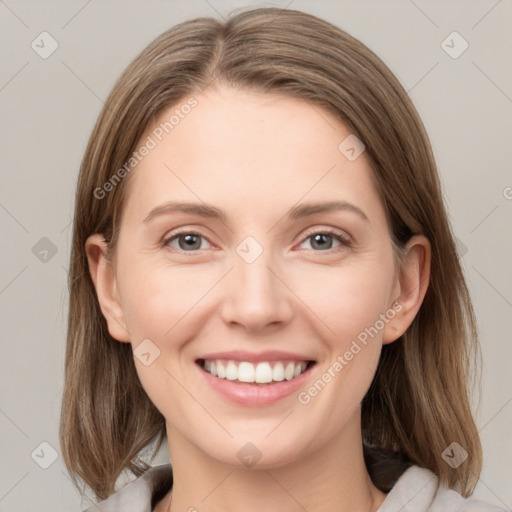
<point>257,453</point>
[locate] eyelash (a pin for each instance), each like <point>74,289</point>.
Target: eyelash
<point>344,241</point>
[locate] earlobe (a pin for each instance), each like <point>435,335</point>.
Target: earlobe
<point>413,281</point>
<point>104,280</point>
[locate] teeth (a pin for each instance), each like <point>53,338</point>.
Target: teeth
<point>246,372</point>
<point>288,371</point>
<point>231,371</point>
<point>221,370</point>
<point>278,372</point>
<point>262,373</point>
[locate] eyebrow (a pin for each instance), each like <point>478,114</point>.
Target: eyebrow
<point>296,212</point>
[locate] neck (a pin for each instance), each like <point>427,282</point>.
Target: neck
<point>332,479</point>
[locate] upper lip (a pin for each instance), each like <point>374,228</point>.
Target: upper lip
<point>256,357</point>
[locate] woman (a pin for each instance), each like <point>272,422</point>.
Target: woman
<point>263,273</point>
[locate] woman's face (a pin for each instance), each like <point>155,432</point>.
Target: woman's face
<point>250,275</point>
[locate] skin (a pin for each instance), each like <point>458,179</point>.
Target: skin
<point>255,156</point>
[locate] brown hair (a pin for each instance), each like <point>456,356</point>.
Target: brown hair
<point>418,403</point>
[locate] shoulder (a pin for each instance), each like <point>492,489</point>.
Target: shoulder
<point>419,490</point>
<point>138,495</point>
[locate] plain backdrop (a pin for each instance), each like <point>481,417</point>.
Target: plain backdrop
<point>48,108</point>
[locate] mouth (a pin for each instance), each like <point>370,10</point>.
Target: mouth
<point>262,373</point>
<point>255,379</point>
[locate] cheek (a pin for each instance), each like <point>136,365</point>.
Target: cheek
<point>164,303</point>
<point>353,351</point>
<point>157,302</point>
<point>348,300</point>
<point>350,303</point>
<point>160,307</point>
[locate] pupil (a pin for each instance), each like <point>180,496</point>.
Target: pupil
<point>320,237</point>
<point>191,241</point>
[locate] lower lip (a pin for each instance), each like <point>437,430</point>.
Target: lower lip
<point>255,395</point>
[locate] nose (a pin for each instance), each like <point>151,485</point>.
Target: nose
<point>255,295</point>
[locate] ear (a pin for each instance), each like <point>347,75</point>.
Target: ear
<point>104,279</point>
<point>412,284</point>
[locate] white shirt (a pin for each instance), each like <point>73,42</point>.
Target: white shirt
<point>417,490</point>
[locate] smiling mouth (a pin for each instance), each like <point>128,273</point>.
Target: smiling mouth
<point>264,372</point>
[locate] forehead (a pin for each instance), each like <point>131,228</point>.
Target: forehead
<point>257,152</point>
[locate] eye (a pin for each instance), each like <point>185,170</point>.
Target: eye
<point>188,241</point>
<point>322,240</point>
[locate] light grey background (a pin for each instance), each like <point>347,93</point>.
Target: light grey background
<point>48,108</point>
